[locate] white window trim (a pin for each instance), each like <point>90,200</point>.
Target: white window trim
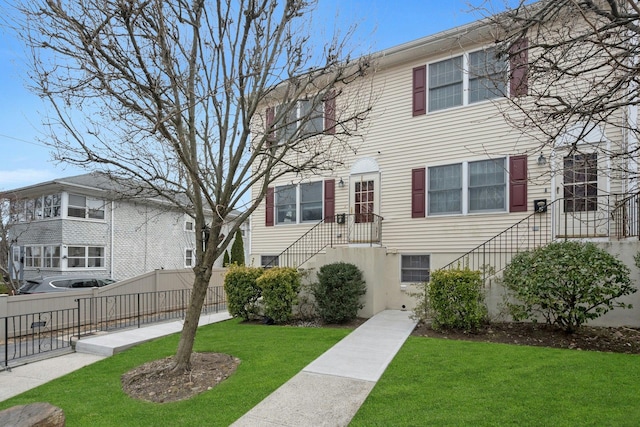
<point>193,225</point>
<point>465,188</point>
<point>65,256</point>
<point>193,258</point>
<point>298,220</point>
<point>298,109</point>
<point>41,257</point>
<point>65,208</point>
<point>465,81</point>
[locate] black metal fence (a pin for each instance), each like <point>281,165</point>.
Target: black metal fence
<point>135,310</point>
<point>342,229</point>
<point>31,335</point>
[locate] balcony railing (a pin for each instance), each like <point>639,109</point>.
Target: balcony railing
<point>342,229</point>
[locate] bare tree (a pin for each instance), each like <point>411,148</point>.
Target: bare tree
<point>578,62</point>
<point>194,102</point>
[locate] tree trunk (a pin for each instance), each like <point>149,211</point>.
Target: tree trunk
<point>182,359</point>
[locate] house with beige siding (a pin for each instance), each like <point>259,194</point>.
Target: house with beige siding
<point>440,178</point>
<point>83,225</point>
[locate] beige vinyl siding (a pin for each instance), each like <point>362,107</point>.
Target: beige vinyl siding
<point>400,142</point>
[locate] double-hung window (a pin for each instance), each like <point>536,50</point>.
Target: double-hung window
<point>445,84</point>
<point>286,204</point>
<point>189,258</point>
<point>304,117</point>
<point>487,186</point>
<point>51,256</point>
<point>33,256</point>
<point>487,76</point>
<point>299,203</point>
<point>445,189</point>
<point>468,187</point>
<point>466,79</point>
<point>85,207</point>
<point>85,257</point>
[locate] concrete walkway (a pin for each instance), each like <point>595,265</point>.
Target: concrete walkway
<point>328,392</point>
<point>331,389</point>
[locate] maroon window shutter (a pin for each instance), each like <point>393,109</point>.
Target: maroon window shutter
<point>330,113</point>
<point>418,185</point>
<point>518,184</point>
<point>519,65</point>
<point>271,113</point>
<point>269,207</point>
<point>420,90</point>
<point>329,200</point>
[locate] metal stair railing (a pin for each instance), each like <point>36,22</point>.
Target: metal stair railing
<point>339,230</point>
<point>626,216</point>
<point>493,255</point>
<point>564,218</point>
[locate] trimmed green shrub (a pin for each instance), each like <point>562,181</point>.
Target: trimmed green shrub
<point>242,291</point>
<point>567,283</point>
<point>225,259</point>
<point>237,249</point>
<point>280,286</point>
<point>455,299</point>
<point>338,291</point>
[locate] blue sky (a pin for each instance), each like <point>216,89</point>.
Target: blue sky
<point>381,24</point>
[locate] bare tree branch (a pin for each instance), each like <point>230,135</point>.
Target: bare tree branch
<point>170,96</point>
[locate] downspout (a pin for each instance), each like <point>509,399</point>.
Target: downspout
<point>632,127</point>
<point>112,261</point>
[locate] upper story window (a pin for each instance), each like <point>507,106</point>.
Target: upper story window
<point>85,207</point>
<point>304,117</point>
<point>487,76</point>
<point>189,225</point>
<point>469,187</point>
<point>466,79</point>
<point>52,204</point>
<point>25,210</point>
<point>445,84</point>
<point>299,203</point>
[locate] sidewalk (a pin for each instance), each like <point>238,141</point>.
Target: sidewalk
<point>88,350</point>
<point>327,392</point>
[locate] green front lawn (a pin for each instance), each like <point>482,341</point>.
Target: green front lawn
<point>455,383</point>
<point>269,356</point>
<point>430,382</point>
